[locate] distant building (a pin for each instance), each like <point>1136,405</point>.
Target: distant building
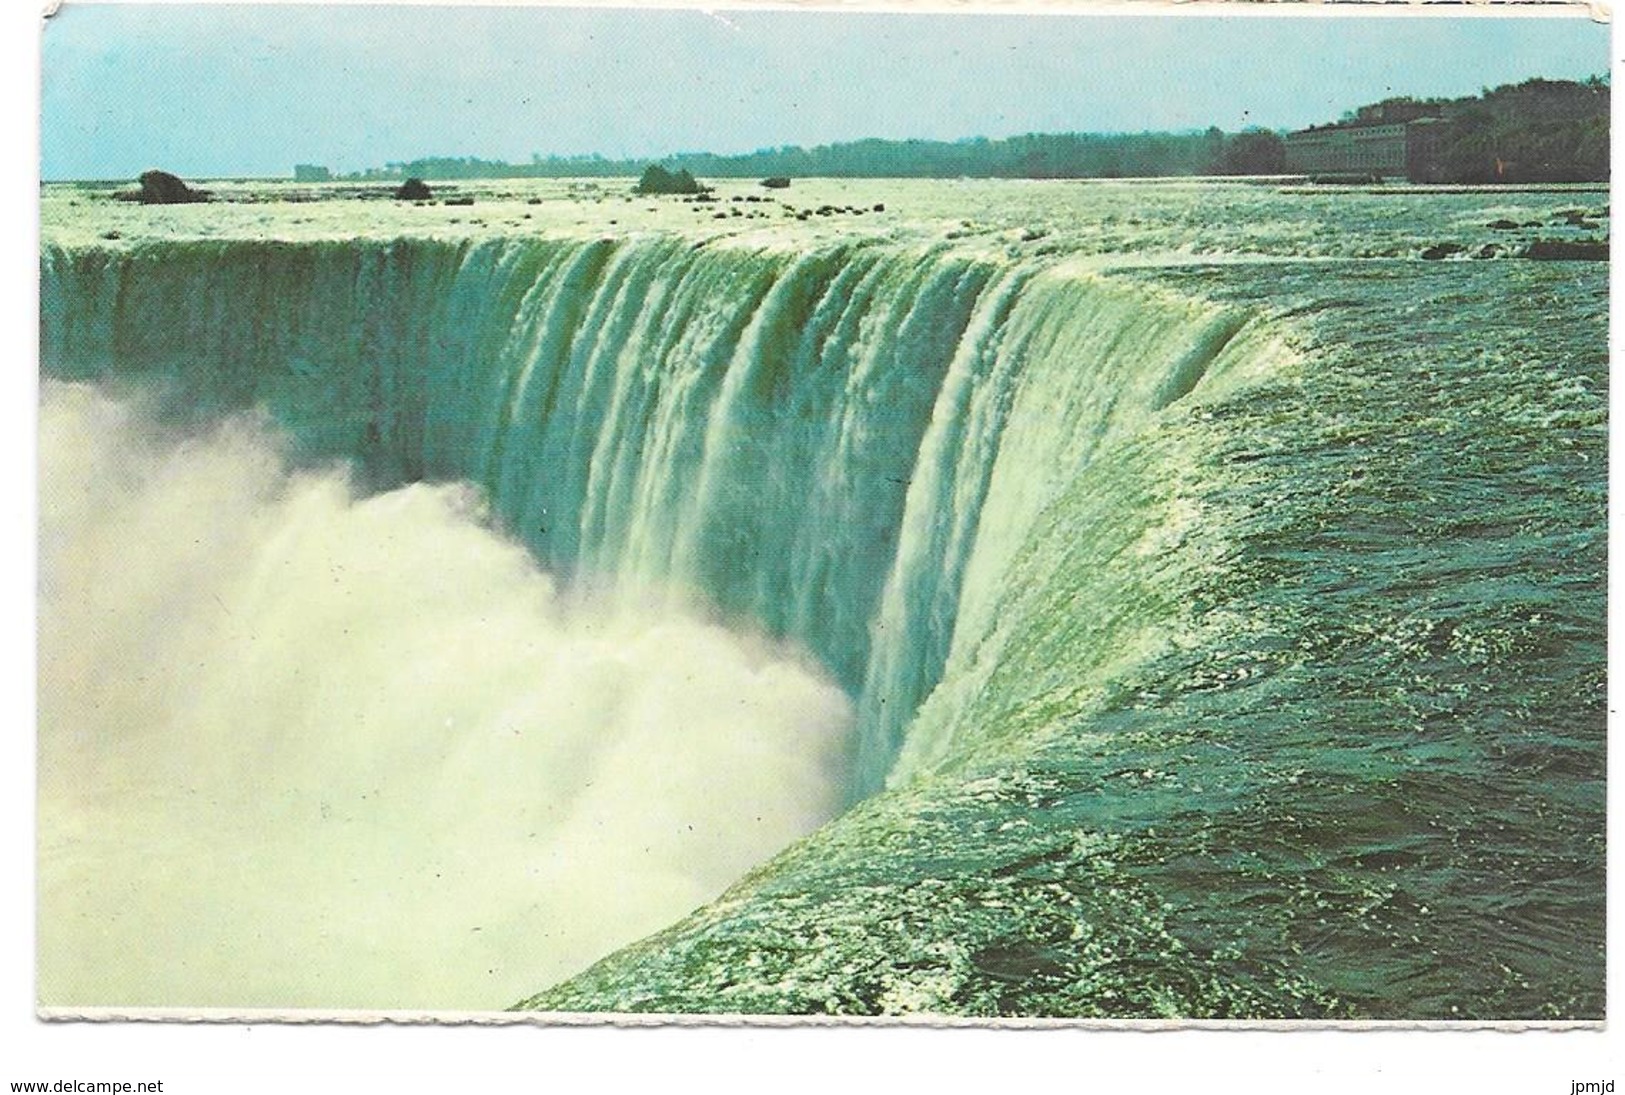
<point>309,172</point>
<point>1374,144</point>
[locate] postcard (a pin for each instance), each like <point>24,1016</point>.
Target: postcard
<point>578,514</point>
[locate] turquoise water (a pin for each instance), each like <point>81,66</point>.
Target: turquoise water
<point>1365,782</point>
<point>1224,619</point>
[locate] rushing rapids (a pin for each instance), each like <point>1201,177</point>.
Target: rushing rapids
<point>1224,632</point>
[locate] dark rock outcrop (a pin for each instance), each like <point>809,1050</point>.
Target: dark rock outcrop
<point>657,180</point>
<point>776,182</point>
<point>1560,250</point>
<point>413,190</point>
<point>162,188</point>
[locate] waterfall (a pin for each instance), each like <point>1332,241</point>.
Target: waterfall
<point>845,448</point>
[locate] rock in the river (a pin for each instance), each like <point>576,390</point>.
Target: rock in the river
<point>413,190</point>
<point>657,180</point>
<point>162,188</point>
<point>1558,250</point>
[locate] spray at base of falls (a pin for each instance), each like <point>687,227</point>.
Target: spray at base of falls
<point>300,748</point>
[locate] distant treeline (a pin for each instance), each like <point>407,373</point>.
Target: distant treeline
<point>1034,156</point>
<point>1539,130</point>
<point>1536,131</point>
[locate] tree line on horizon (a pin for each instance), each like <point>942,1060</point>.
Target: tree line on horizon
<point>1535,131</point>
<point>1034,156</point>
<point>1539,130</point>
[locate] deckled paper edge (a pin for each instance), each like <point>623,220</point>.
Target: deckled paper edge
<point>232,1016</point>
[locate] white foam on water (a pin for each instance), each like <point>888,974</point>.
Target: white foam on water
<point>303,748</point>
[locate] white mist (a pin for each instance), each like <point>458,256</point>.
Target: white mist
<point>304,749</point>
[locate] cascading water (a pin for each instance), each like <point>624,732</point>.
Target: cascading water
<point>971,598</point>
<point>844,448</point>
<point>1170,637</point>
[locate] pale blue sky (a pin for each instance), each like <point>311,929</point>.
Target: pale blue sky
<point>250,90</point>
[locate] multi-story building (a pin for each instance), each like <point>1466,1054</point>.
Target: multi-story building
<point>1378,145</point>
<point>1366,149</point>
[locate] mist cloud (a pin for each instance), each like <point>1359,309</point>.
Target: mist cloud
<point>300,748</point>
